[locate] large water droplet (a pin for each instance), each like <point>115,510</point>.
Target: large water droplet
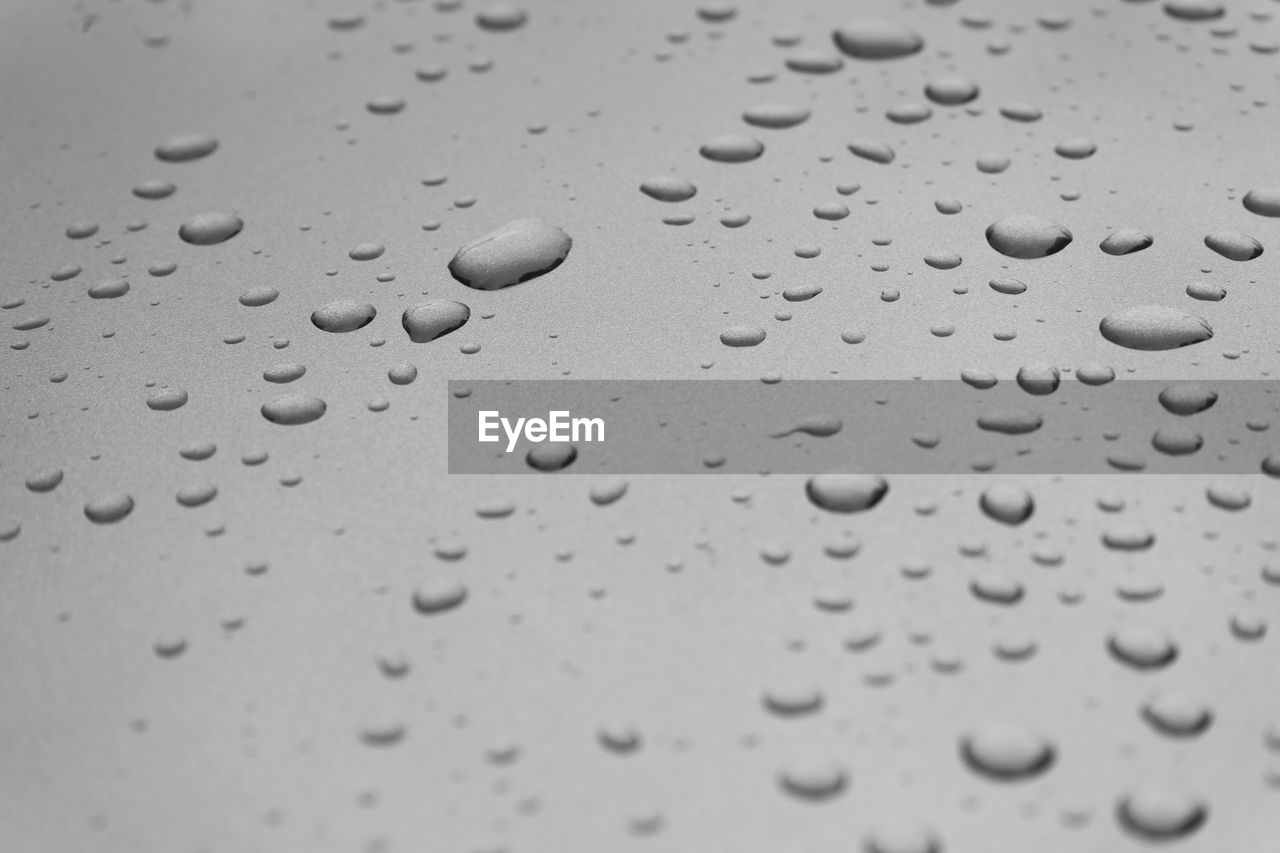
<point>731,148</point>
<point>874,38</point>
<point>1234,245</point>
<point>186,147</point>
<point>343,315</point>
<point>517,252</point>
<point>434,319</point>
<point>846,492</point>
<point>1007,503</point>
<point>108,508</point>
<point>208,229</point>
<point>1027,237</point>
<point>1154,327</point>
<point>1159,813</point>
<point>293,409</point>
<point>1006,752</point>
<point>668,188</point>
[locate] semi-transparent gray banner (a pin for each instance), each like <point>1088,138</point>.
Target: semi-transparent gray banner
<point>1037,425</point>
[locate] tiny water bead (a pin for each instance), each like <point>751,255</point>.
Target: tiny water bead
<point>343,315</point>
<point>428,321</point>
<point>154,189</point>
<point>1026,237</point>
<point>515,253</point>
<point>209,229</point>
<point>1154,327</point>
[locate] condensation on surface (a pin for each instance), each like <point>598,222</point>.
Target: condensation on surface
<point>246,608</point>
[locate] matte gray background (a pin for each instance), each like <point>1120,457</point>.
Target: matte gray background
<point>675,609</point>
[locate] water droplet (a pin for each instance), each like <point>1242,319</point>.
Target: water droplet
<point>438,595</point>
<point>1027,237</point>
<point>1159,813</point>
<point>731,148</point>
<point>901,835</point>
<point>112,288</point>
<point>874,38</point>
<point>869,149</point>
<point>517,252</point>
<point>293,409</point>
<point>814,778</point>
<point>1177,714</point>
<point>343,315</point>
<point>501,17</point>
<point>1264,201</point>
<point>846,492</point>
<point>284,373</point>
<point>1075,149</point>
<point>551,457</point>
<point>186,147</point>
<point>1007,503</point>
<point>44,481</point>
<point>367,252</point>
<point>108,508</point>
<point>259,296</point>
<point>1126,241</point>
<point>742,336</point>
<point>402,374</point>
<point>775,116</point>
<point>1194,10</point>
<point>1007,752</point>
<point>1038,379</point>
<point>668,188</point>
<point>1142,648</point>
<point>154,189</point>
<point>1234,245</point>
<point>951,91</point>
<point>1008,286</point>
<point>435,319</point>
<point>208,229</point>
<point>167,399</point>
<point>1154,327</point>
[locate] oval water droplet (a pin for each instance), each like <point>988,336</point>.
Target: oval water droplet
<point>343,315</point>
<point>293,409</point>
<point>846,493</point>
<point>1027,237</point>
<point>517,252</point>
<point>1154,327</point>
<point>209,229</point>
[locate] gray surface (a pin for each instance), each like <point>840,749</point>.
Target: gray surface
<point>251,739</point>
